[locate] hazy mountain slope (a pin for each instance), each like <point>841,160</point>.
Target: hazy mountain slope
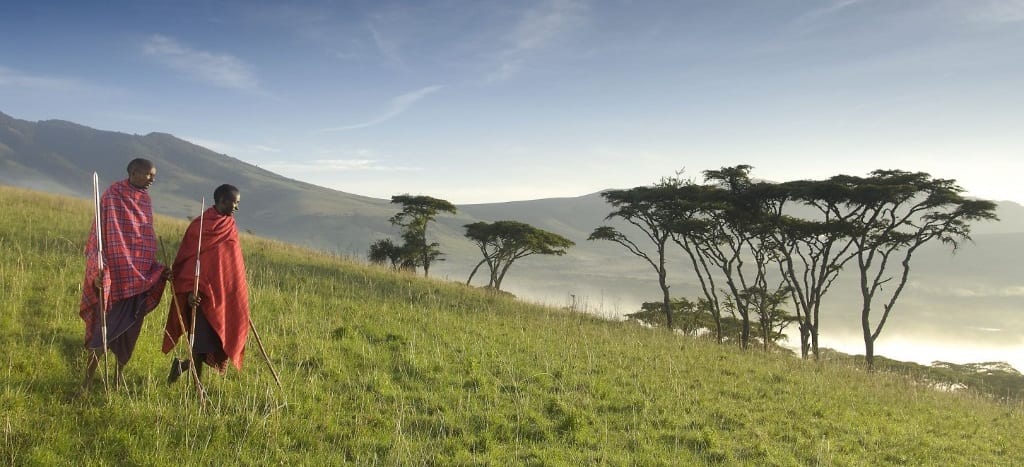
<point>60,156</point>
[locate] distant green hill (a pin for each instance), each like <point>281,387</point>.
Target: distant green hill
<point>384,368</point>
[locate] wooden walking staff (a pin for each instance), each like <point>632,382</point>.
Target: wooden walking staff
<point>181,323</point>
<point>265,356</point>
<point>99,265</point>
<point>195,293</point>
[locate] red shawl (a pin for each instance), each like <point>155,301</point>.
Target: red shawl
<point>129,253</point>
<point>222,283</point>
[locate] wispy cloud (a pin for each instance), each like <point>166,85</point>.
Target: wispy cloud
<point>213,145</point>
<point>222,70</point>
<point>263,148</point>
<point>14,78</point>
<point>811,19</point>
<point>333,165</point>
<point>388,47</point>
<point>996,11</point>
<point>971,291</point>
<point>398,106</point>
<point>236,150</point>
<point>536,29</point>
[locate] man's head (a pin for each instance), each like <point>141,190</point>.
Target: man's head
<point>141,173</point>
<point>226,198</point>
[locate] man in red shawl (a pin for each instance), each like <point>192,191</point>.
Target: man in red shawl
<point>222,323</point>
<point>132,281</point>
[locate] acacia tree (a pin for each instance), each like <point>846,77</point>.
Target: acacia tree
<point>385,251</point>
<point>691,317</point>
<point>692,230</point>
<point>810,253</point>
<point>504,242</point>
<point>738,237</point>
<point>896,212</point>
<point>772,319</point>
<point>648,208</point>
<point>416,213</point>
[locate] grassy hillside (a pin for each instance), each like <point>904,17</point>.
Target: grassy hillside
<point>380,368</point>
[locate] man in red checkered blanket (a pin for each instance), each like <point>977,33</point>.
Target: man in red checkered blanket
<point>132,281</point>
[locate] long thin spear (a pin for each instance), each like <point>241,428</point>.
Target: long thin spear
<point>181,323</point>
<point>195,293</point>
<point>99,265</point>
<point>195,288</point>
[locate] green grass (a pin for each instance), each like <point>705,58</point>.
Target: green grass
<point>383,368</point>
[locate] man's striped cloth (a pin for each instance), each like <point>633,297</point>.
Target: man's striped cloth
<point>129,252</point>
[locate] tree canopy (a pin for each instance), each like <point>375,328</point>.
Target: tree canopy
<point>503,242</point>
<point>417,212</point>
<point>649,209</point>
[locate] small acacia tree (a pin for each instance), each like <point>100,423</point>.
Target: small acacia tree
<point>385,251</point>
<point>417,212</point>
<point>504,242</point>
<point>691,317</point>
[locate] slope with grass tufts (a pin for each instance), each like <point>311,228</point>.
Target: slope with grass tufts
<point>391,369</point>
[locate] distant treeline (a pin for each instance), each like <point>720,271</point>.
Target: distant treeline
<point>751,253</point>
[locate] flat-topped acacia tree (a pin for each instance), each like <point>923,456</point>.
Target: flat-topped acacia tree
<point>650,210</point>
<point>417,212</point>
<point>504,242</point>
<point>893,214</point>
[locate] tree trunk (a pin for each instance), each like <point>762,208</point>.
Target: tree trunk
<point>474,271</point>
<point>494,277</point>
<point>718,326</point>
<point>666,299</point>
<point>869,340</point>
<point>814,326</point>
<point>745,337</point>
<point>869,352</point>
<point>814,343</point>
<point>805,338</point>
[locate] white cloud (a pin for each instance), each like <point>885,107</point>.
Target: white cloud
<point>218,69</point>
<point>262,148</point>
<point>14,78</point>
<point>538,26</point>
<point>535,30</point>
<point>387,47</point>
<point>970,290</point>
<point>398,106</point>
<point>213,145</point>
<point>223,147</point>
<point>995,11</point>
<point>823,11</point>
<point>321,166</point>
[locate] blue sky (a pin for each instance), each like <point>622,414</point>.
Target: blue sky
<point>483,101</point>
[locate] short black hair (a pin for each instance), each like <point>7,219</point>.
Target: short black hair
<point>224,191</point>
<point>140,164</point>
